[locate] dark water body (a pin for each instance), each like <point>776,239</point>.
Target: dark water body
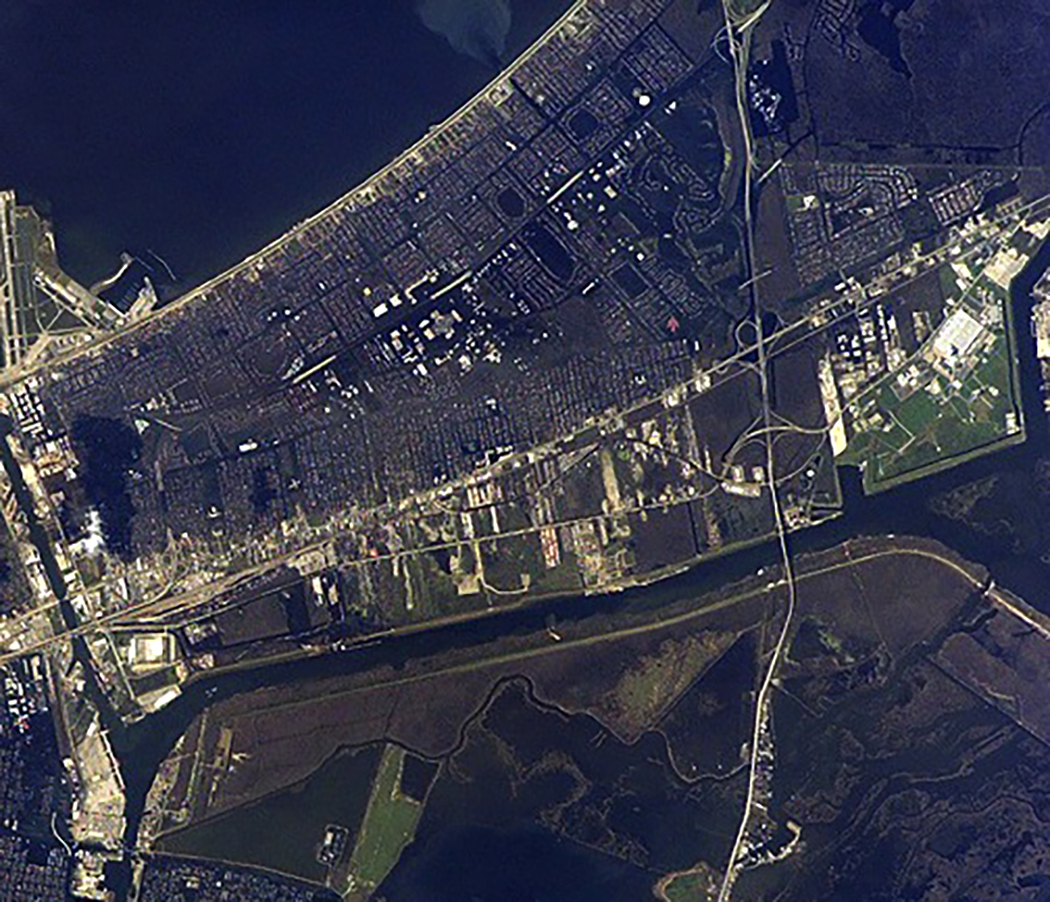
<point>904,510</point>
<point>478,838</point>
<point>549,251</point>
<point>478,28</point>
<point>617,815</point>
<point>201,129</point>
<point>709,723</point>
<point>520,864</point>
<point>416,777</point>
<point>901,511</point>
<point>878,28</point>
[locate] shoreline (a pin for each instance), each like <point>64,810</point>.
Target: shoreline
<point>7,380</point>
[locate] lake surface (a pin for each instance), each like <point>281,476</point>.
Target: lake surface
<point>520,864</point>
<point>202,129</point>
<point>904,510</point>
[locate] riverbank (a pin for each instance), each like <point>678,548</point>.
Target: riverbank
<point>507,638</point>
<point>142,747</point>
<point>437,699</point>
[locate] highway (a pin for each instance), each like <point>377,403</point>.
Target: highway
<point>738,33</point>
<point>637,629</point>
<point>765,347</point>
<point>1016,608</point>
<point>738,29</point>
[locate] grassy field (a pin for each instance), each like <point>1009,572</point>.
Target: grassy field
<point>646,690</point>
<point>687,888</point>
<point>282,831</point>
<point>389,825</point>
<point>925,432</point>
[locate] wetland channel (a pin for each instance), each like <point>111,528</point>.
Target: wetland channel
<point>141,747</point>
